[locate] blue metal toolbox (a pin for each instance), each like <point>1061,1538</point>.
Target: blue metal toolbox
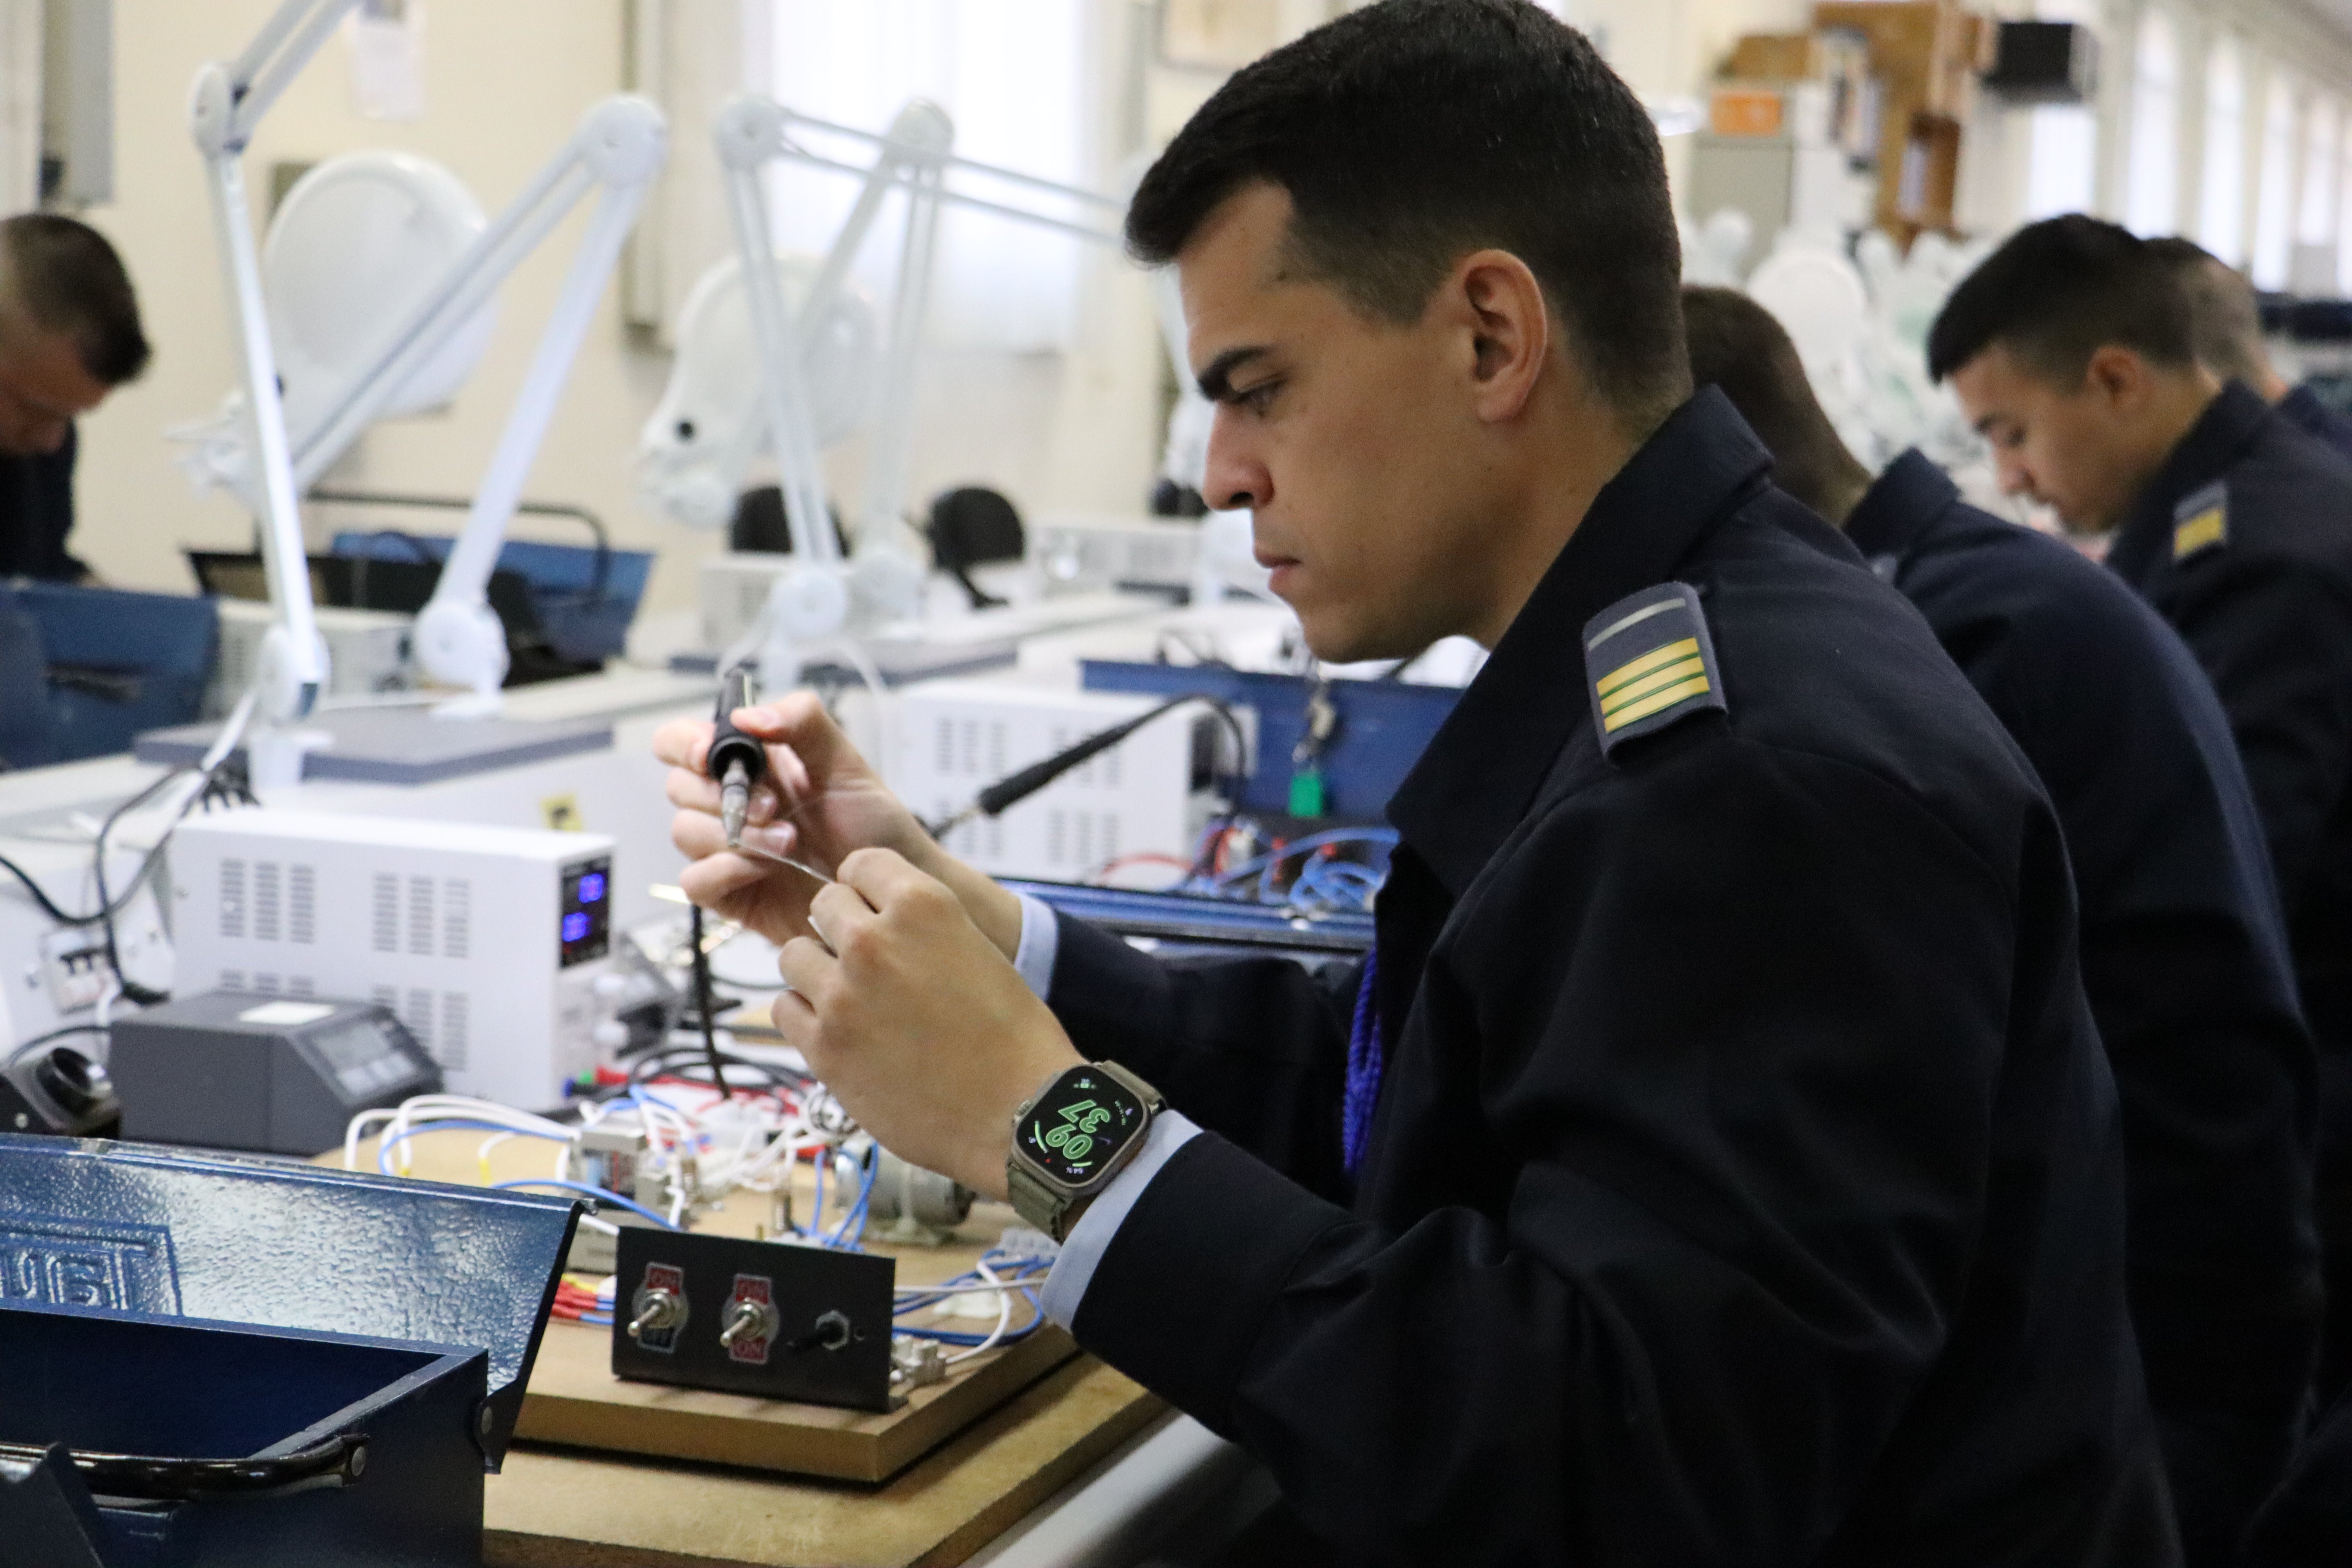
<point>213,1360</point>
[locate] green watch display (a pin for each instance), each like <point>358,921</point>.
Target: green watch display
<point>1072,1138</point>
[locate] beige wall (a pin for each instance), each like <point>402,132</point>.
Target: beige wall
<point>506,80</point>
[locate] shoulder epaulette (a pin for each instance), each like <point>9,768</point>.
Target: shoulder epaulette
<point>1649,663</point>
<point>2202,521</point>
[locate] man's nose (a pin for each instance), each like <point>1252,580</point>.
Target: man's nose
<point>1234,480</point>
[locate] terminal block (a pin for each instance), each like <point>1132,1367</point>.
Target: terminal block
<point>767,1318</point>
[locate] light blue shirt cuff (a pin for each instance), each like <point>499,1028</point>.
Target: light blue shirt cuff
<point>1041,940</point>
<point>1074,1270</point>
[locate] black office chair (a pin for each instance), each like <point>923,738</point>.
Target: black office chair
<point>974,526</point>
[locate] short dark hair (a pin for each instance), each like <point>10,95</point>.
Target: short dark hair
<point>65,277</point>
<point>1412,132</point>
<point>2055,293</point>
<point>2225,318</point>
<point>1740,346</point>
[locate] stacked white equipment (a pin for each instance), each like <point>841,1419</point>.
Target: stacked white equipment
<point>487,942</point>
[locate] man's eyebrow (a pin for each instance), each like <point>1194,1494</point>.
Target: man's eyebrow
<point>1216,382</point>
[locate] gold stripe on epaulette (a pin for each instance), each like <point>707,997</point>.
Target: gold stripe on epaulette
<point>1657,701</point>
<point>1647,662</point>
<point>1682,669</point>
<point>2206,528</point>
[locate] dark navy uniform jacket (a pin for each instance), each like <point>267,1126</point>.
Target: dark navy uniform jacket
<point>2185,961</point>
<point>1745,1184</point>
<point>2243,541</point>
<point>37,514</point>
<point>2306,412</point>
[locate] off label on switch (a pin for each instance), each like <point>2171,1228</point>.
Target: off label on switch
<point>658,1309</point>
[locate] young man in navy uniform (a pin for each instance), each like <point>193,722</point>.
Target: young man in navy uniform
<point>2225,329</point>
<point>70,335</point>
<point>1715,1163</point>
<point>2071,350</point>
<point>2185,956</point>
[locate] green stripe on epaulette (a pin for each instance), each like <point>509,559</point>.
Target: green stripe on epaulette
<point>1650,662</point>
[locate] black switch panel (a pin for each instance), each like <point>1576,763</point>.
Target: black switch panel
<point>761,1318</point>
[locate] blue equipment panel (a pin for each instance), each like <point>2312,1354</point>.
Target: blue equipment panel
<point>116,662</point>
<point>1383,728</point>
<point>585,597</point>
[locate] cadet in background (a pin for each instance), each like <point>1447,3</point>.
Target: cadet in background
<point>2185,956</point>
<point>2071,350</point>
<point>70,334</point>
<point>2226,330</point>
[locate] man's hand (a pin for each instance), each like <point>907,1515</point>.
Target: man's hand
<point>916,1021</point>
<point>820,804</point>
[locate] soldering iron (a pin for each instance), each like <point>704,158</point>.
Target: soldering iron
<point>738,762</point>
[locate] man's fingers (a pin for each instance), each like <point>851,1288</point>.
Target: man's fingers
<point>795,1020</point>
<point>718,877</point>
<point>806,967</point>
<point>838,912</point>
<point>683,743</point>
<point>883,876</point>
<point>695,792</point>
<point>798,720</point>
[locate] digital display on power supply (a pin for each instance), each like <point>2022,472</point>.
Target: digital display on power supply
<point>586,926</point>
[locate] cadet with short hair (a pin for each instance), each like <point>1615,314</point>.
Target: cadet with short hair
<point>2185,955</point>
<point>2226,334</point>
<point>2071,350</point>
<point>70,334</point>
<point>1714,1162</point>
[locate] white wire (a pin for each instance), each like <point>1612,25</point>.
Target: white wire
<point>1003,1317</point>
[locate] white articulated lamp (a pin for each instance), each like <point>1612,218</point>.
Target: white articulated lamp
<point>823,364</point>
<point>382,276</point>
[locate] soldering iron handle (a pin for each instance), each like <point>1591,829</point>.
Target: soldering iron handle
<point>730,745</point>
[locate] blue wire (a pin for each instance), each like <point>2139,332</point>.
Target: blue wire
<point>846,1238</point>
<point>382,1150</point>
<point>599,1194</point>
<point>1267,862</point>
<point>1311,843</point>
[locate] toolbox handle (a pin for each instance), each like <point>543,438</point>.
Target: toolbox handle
<point>337,1461</point>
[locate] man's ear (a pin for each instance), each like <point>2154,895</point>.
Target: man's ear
<point>2119,377</point>
<point>1510,323</point>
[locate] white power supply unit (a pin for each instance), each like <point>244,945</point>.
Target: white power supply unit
<point>487,942</point>
<point>1140,798</point>
<point>1078,552</point>
<point>367,651</point>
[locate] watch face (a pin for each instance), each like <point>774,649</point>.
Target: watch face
<point>1079,1124</point>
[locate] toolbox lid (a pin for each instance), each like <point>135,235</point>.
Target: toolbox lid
<point>109,1226</point>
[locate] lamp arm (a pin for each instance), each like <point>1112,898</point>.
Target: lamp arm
<point>225,103</point>
<point>619,147</point>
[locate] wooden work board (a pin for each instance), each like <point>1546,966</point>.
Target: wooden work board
<point>574,1400</point>
<point>565,1508</point>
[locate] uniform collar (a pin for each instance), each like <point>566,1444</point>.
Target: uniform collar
<point>1484,766</point>
<point>2216,441</point>
<point>1900,505</point>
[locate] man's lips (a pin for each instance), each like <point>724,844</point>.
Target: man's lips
<point>1271,560</point>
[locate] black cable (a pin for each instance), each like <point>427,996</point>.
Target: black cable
<point>28,1046</point>
<point>48,906</point>
<point>702,1000</point>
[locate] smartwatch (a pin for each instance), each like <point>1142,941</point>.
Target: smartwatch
<point>1072,1138</point>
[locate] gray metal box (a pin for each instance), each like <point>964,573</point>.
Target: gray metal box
<point>232,1070</point>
